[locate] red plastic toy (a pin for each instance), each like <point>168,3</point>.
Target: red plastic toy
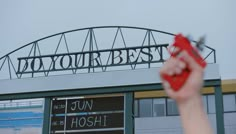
<point>182,43</point>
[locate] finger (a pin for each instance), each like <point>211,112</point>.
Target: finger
<point>178,71</point>
<point>170,66</point>
<point>180,66</point>
<point>192,64</point>
<point>166,85</point>
<point>170,92</point>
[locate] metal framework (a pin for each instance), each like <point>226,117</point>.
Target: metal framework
<point>102,46</point>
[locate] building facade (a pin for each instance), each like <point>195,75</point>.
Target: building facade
<point>94,71</point>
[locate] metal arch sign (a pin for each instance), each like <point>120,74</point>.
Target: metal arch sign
<point>136,47</point>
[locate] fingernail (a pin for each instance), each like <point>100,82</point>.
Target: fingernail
<point>182,65</point>
<point>178,71</point>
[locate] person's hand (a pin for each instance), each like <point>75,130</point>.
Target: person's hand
<point>193,84</point>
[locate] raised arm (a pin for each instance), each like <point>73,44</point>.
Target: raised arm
<point>188,98</point>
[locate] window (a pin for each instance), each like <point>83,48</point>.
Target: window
<point>229,103</point>
<point>145,107</point>
<point>211,104</point>
<point>172,107</point>
<point>19,115</point>
<point>204,100</point>
<point>136,106</point>
<point>159,107</point>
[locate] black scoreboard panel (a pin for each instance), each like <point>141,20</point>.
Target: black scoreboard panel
<point>104,115</point>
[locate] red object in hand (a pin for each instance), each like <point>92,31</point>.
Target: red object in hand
<point>182,43</point>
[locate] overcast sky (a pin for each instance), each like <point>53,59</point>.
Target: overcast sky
<point>23,21</point>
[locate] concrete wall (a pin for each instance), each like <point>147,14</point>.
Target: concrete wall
<point>158,125</point>
<point>172,124</point>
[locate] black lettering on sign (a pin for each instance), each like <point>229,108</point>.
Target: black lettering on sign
<point>95,104</point>
<point>63,61</point>
<point>38,62</point>
<point>92,59</point>
<point>112,120</point>
<point>118,56</point>
<point>58,106</point>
